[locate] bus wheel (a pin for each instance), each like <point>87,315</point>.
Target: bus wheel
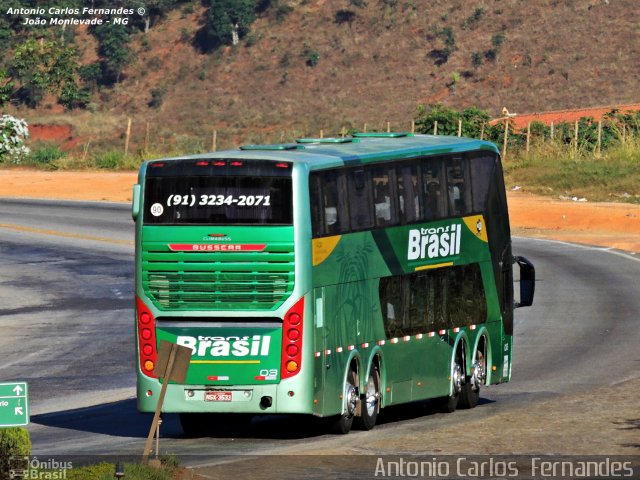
<point>470,393</point>
<point>370,401</point>
<point>344,422</point>
<point>450,403</point>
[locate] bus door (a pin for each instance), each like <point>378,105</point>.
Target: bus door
<point>322,359</point>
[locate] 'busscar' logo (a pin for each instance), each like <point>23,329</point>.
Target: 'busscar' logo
<point>235,346</point>
<point>434,242</point>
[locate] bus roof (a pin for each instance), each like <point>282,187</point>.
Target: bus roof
<point>362,148</point>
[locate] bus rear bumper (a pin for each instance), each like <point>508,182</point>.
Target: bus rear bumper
<point>256,399</point>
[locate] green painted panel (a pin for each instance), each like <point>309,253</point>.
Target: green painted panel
<point>229,356</point>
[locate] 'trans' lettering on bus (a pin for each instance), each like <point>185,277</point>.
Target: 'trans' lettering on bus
<point>434,242</point>
<point>258,345</point>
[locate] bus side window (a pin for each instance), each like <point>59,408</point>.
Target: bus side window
<point>433,204</point>
<point>360,199</point>
<point>327,191</point>
<point>482,166</point>
<point>392,305</point>
<point>419,302</point>
<point>408,193</point>
<point>382,198</point>
<point>458,188</point>
<point>317,210</point>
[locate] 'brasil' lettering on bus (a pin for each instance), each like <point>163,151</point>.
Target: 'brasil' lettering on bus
<point>434,242</point>
<point>257,345</point>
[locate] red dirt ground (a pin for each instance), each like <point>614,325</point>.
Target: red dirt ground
<point>520,121</point>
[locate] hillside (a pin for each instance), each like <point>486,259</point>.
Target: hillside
<point>311,67</point>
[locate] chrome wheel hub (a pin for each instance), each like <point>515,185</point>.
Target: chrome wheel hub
<point>457,378</point>
<point>352,400</point>
<point>479,374</point>
<point>371,398</point>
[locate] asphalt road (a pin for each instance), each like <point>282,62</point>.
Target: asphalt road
<point>66,309</point>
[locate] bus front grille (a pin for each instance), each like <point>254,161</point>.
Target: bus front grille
<point>218,280</point>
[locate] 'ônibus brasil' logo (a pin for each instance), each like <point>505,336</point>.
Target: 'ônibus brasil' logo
<point>434,242</point>
<point>235,346</point>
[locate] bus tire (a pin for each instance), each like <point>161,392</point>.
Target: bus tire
<point>450,403</point>
<point>342,423</point>
<point>370,401</point>
<point>469,396</point>
<point>470,393</point>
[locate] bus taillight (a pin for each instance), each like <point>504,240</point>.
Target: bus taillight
<point>292,340</point>
<point>146,339</point>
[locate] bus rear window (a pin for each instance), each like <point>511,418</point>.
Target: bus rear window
<point>218,200</point>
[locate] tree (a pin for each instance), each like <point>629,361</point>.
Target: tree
<point>114,51</point>
<point>6,87</point>
<point>43,67</point>
<point>472,120</point>
<point>224,20</point>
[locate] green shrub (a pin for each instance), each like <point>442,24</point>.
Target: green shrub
<point>111,160</point>
<point>46,155</point>
<point>14,442</point>
<point>157,97</point>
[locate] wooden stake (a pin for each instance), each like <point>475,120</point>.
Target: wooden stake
<point>551,130</point>
<point>128,137</point>
<point>575,137</point>
<point>528,135</point>
<point>365,128</point>
<point>146,138</point>
<point>599,145</point>
<point>321,133</point>
<point>388,127</point>
<point>435,127</point>
<point>156,416</point>
<point>506,135</point>
<point>413,126</point>
<point>459,128</point>
<point>214,140</point>
<point>85,150</point>
<point>482,131</point>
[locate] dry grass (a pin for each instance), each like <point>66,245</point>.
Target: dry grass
<point>561,170</point>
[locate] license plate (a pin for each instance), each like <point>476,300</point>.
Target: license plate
<point>217,396</point>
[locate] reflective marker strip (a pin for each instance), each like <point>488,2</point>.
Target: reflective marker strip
<point>406,338</point>
<point>218,377</point>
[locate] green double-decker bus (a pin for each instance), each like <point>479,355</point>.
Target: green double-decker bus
<point>331,277</point>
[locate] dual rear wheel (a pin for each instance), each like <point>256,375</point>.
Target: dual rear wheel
<point>465,389</point>
<point>366,404</point>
